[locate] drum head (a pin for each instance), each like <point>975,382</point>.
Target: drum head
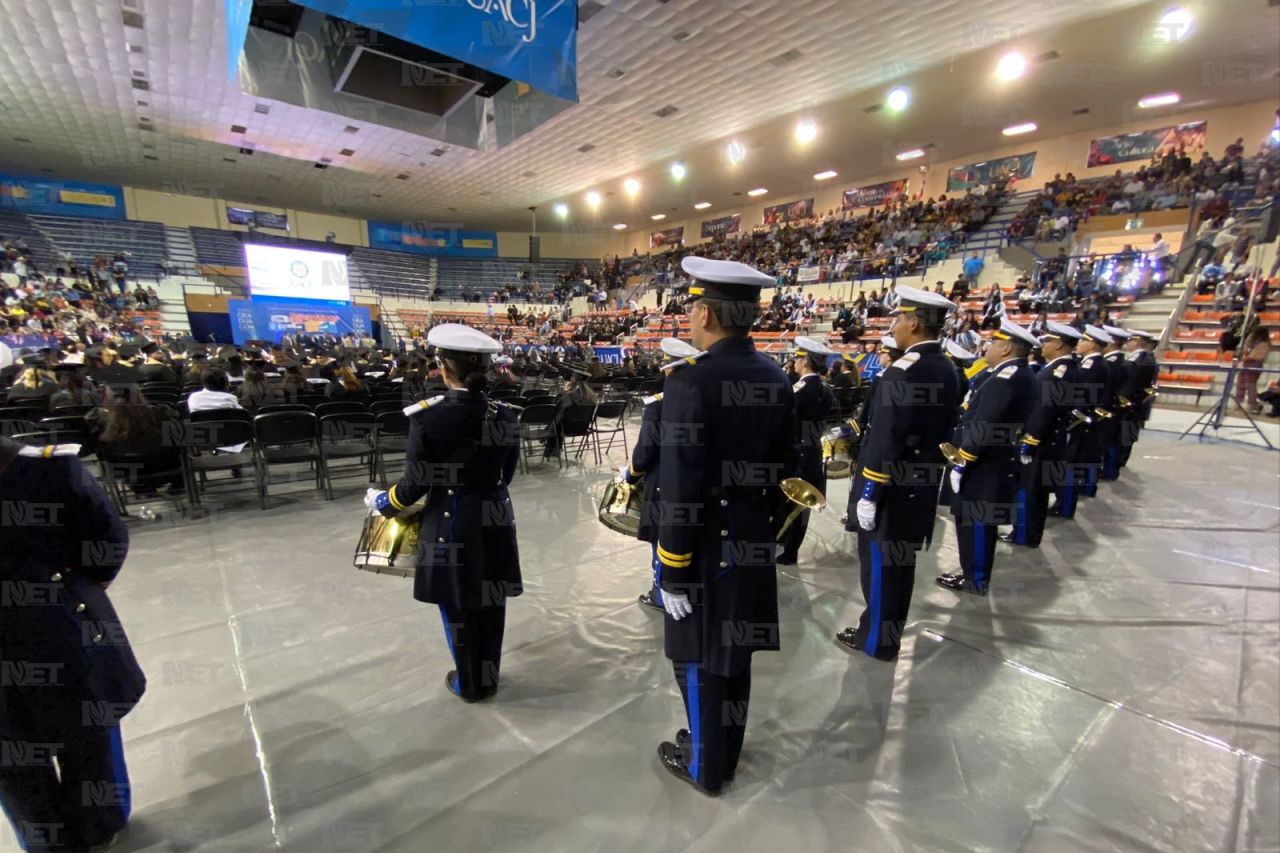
<point>387,546</point>
<point>838,469</point>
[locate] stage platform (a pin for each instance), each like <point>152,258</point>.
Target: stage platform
<point>1119,690</point>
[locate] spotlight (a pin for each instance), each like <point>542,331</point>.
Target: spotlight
<point>806,132</point>
<point>702,205</point>
<point>632,186</point>
<point>736,152</point>
<point>1162,100</point>
<point>678,171</point>
<point>593,200</point>
<point>1019,129</point>
<point>898,99</point>
<point>1175,25</point>
<point>562,210</point>
<point>1011,66</point>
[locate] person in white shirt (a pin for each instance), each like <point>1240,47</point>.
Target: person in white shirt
<point>1134,187</point>
<point>1161,257</point>
<point>215,395</point>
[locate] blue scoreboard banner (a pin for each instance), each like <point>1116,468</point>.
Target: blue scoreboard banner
<point>421,238</point>
<point>272,319</point>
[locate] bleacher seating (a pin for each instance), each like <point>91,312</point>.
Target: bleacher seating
<point>17,227</point>
<point>394,273</point>
<point>459,277</point>
<point>217,248</point>
<point>86,238</point>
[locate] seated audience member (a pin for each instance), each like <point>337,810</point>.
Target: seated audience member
<point>345,385</point>
<point>33,386</point>
<point>216,393</point>
<point>140,437</point>
<point>73,390</point>
<point>254,392</point>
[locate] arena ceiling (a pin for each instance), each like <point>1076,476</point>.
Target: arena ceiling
<point>86,96</point>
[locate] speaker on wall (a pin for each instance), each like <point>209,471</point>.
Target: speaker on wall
<point>535,249</point>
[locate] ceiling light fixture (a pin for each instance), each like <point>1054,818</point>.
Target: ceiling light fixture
<point>1162,100</point>
<point>593,200</point>
<point>621,226</point>
<point>632,186</point>
<point>825,176</point>
<point>1011,66</point>
<point>912,154</point>
<point>898,99</point>
<point>806,131</point>
<point>702,205</point>
<point>678,171</point>
<point>562,210</point>
<point>1019,129</point>
<point>757,191</point>
<point>658,217</point>
<point>1175,26</point>
<point>736,152</point>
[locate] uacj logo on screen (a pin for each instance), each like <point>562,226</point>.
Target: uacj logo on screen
<point>299,269</point>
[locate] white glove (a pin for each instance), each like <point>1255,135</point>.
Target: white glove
<point>624,472</point>
<point>957,474</point>
<point>1025,458</point>
<point>371,498</point>
<point>866,514</point>
<point>677,605</point>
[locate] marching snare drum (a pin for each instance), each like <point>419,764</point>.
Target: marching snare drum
<point>387,545</point>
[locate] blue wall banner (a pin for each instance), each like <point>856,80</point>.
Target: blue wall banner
<point>789,212</point>
<point>963,178</point>
<point>271,319</point>
<point>873,195</point>
<point>61,198</point>
<point>668,237</point>
<point>257,218</point>
<point>531,41</point>
<point>723,225</point>
<point>422,238</point>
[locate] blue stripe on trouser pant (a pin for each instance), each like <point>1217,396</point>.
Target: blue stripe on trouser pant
<point>1111,463</point>
<point>656,592</point>
<point>888,575</point>
<point>475,641</point>
<point>716,707</point>
<point>977,546</point>
<point>1091,480</point>
<point>86,806</point>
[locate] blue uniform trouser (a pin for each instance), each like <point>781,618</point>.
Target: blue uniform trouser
<point>1069,492</point>
<point>1090,487</point>
<point>977,546</point>
<point>81,803</point>
<point>888,572</point>
<point>716,707</point>
<point>1032,507</point>
<point>475,641</point>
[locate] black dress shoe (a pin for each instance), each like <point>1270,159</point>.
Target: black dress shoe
<point>1007,537</point>
<point>955,582</point>
<point>647,599</point>
<point>682,741</point>
<point>451,682</point>
<point>846,639</point>
<point>671,757</point>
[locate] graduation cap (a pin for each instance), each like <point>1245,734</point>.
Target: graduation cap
<point>728,280</point>
<point>1010,331</point>
<point>150,347</point>
<point>127,350</point>
<point>66,367</point>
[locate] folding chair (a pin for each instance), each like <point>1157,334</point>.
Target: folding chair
<point>537,427</point>
<point>379,407</point>
<point>392,437</point>
<point>201,440</point>
<point>348,435</point>
<point>338,408</point>
<point>575,423</point>
<point>610,420</point>
<point>283,438</point>
<point>283,407</point>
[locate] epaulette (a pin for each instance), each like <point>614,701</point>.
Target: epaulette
<point>653,398</point>
<point>1004,371</point>
<point>423,405</point>
<point>1060,371</point>
<point>50,450</point>
<point>906,360</point>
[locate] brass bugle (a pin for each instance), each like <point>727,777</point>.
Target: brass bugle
<point>1102,414</point>
<point>1081,419</point>
<point>952,453</point>
<point>1123,401</point>
<point>804,495</point>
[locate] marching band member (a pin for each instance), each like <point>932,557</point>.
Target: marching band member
<point>1120,433</point>
<point>1043,450</point>
<point>985,483</point>
<point>814,401</point>
<point>462,453</point>
<point>896,489</point>
<point>728,426</point>
<point>1094,380</point>
<point>644,463</point>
